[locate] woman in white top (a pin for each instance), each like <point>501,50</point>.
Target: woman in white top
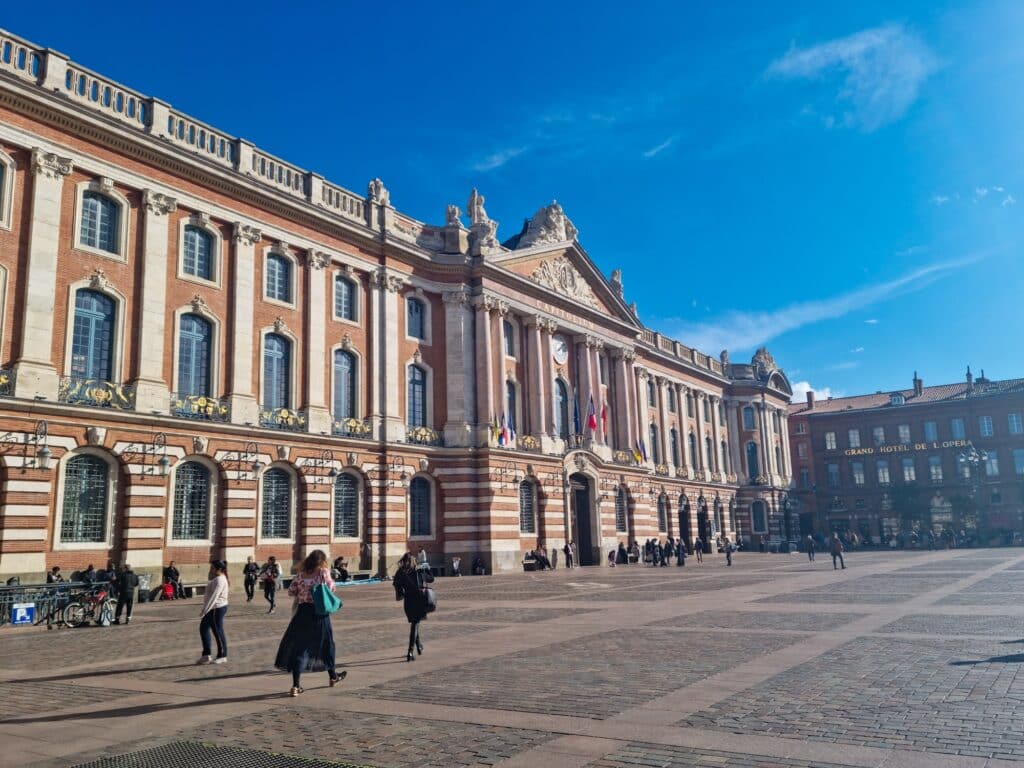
<point>214,608</point>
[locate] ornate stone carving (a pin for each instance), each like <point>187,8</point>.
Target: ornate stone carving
<point>378,193</point>
<point>282,247</point>
<point>386,282</point>
<point>424,464</point>
<point>502,308</point>
<point>98,279</point>
<point>417,356</point>
<point>199,305</point>
<point>475,208</point>
<point>246,234</point>
<point>617,282</point>
<point>158,203</point>
<point>50,165</point>
<point>459,297</point>
<point>95,435</point>
<point>279,324</point>
<point>346,342</point>
<point>319,260</point>
<point>562,277</point>
<point>763,363</point>
<point>548,225</point>
<point>724,357</point>
<point>283,451</point>
<point>452,217</point>
<point>352,457</point>
<point>199,444</point>
<point>104,184</point>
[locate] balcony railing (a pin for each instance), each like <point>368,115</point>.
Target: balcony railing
<point>6,382</point>
<point>423,436</point>
<point>661,469</point>
<point>624,457</point>
<point>528,443</point>
<point>283,418</point>
<point>96,393</point>
<point>202,407</point>
<point>356,428</point>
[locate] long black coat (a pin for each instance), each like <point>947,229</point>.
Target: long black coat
<point>409,586</point>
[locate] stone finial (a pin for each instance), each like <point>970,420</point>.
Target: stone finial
<point>378,193</point>
<point>617,282</point>
<point>724,357</point>
<point>451,217</point>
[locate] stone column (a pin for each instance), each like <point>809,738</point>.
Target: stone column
<point>787,459</point>
<point>663,385</point>
<point>762,430</point>
<point>535,373</point>
<point>716,443</point>
<point>622,413</point>
<point>393,414</point>
<point>548,374</point>
<point>151,391</point>
<point>732,413</point>
<point>595,349</point>
<point>35,374</point>
<point>586,384</point>
<point>460,367</point>
<point>375,329</point>
<point>244,408</point>
<point>484,370</point>
<point>643,417</point>
<point>682,392</point>
<point>318,412</point>
<point>698,410</point>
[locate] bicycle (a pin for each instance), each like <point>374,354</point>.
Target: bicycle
<point>96,605</point>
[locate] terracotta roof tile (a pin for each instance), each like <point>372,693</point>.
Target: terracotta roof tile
<point>937,394</point>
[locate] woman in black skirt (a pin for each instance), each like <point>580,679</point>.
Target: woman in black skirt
<point>308,643</point>
<point>410,584</point>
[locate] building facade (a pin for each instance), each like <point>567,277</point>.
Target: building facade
<point>946,457</point>
<point>206,351</point>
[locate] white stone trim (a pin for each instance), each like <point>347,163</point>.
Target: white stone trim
<point>8,166</point>
<point>27,486</point>
<point>113,477</point>
<point>282,250</point>
<point>203,311</point>
<point>213,495</point>
<point>240,493</point>
<point>120,321</point>
<point>23,534</point>
<point>428,315</point>
<point>144,533</point>
<point>154,512</point>
<point>347,273</point>
<point>146,490</point>
<point>26,510</point>
<point>202,221</point>
<point>103,186</point>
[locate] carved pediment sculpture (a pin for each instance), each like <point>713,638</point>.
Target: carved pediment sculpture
<point>562,277</point>
<point>548,225</point>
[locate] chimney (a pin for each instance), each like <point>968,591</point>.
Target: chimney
<point>810,399</point>
<point>918,385</point>
<point>970,380</point>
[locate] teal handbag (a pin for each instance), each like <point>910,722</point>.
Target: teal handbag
<point>325,602</point>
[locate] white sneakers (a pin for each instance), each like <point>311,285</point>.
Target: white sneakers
<point>221,660</point>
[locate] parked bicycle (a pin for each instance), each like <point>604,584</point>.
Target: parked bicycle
<point>95,605</point>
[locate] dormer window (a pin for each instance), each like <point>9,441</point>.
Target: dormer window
<point>896,399</point>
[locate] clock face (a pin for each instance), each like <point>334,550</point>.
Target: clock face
<point>559,349</point>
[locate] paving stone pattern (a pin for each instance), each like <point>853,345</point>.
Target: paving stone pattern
<point>507,615</point>
<point>764,620</point>
<point>647,756</point>
<point>890,693</point>
<point>837,598</point>
<point>32,697</point>
<point>945,626</point>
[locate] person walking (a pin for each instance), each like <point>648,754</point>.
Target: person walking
<point>698,549</point>
<point>664,550</point>
<point>837,551</point>
<point>250,574</point>
<point>810,548</point>
<point>680,553</point>
<point>271,574</point>
<point>212,616</point>
<point>567,550</point>
<point>410,586</point>
<point>728,550</point>
<point>127,583</point>
<point>308,643</point>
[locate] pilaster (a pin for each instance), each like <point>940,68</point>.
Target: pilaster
<point>318,413</point>
<point>535,364</point>
<point>244,408</point>
<point>392,427</point>
<point>484,369</point>
<point>460,367</point>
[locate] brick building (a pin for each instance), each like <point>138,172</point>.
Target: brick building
<point>942,457</point>
<point>206,351</point>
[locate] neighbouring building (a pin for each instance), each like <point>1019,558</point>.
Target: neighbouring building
<point>206,351</point>
<point>946,457</point>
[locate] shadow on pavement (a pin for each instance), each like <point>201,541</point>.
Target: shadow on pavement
<point>1013,658</point>
<point>140,710</point>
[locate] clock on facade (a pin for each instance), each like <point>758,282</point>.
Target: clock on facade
<point>559,349</point>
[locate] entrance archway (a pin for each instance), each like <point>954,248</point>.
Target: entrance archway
<point>581,505</point>
<point>684,523</point>
<point>703,525</point>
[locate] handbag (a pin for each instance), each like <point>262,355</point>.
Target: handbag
<point>430,596</point>
<point>325,602</point>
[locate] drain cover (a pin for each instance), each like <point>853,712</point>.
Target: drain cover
<point>189,754</point>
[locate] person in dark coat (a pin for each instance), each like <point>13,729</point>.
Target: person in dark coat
<point>664,551</point>
<point>127,583</point>
<point>89,575</point>
<point>622,556</point>
<point>680,553</point>
<point>698,549</point>
<point>836,548</point>
<point>410,586</point>
<point>250,573</point>
<point>172,576</point>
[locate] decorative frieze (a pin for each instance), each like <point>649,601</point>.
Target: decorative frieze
<point>49,165</point>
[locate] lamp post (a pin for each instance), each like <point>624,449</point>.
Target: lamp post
<point>970,460</point>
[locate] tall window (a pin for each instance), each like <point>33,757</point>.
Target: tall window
<point>671,399</point>
<point>725,456</point>
<point>878,435</point>
<point>655,445</point>
<point>620,510</point>
<point>801,428</point>
<point>346,506</point>
<point>277,367</point>
<point>882,467</point>
<point>84,518</point>
<point>832,471</point>
<point>198,260</point>
<point>652,393</point>
<point>92,339</point>
<point>101,218</point>
<point>508,331</point>
<point>191,502</point>
<point>510,403</point>
<point>707,412</point>
<point>1014,422</point>
<point>1018,461</point>
<point>419,507</point>
<point>662,513</point>
<point>909,471</point>
<point>801,450</point>
<point>985,426</point>
<point>853,438</point>
<point>991,464</point>
<point>689,405</point>
<point>415,318</point>
<point>709,452</point>
<point>344,298</point>
<point>830,441</point>
<point>753,464</point>
<point>561,409</point>
<point>748,417</point>
<point>931,430</point>
<point>759,517</point>
<point>277,504</point>
<point>904,432</point>
<point>956,428</point>
<point>857,469</point>
<point>805,479</point>
<point>417,396</point>
<point>721,412</point>
<point>194,345</point>
<point>279,278</point>
<point>935,469</point>
<point>344,384</point>
<point>527,507</point>
<point>673,438</point>
<point>694,458</point>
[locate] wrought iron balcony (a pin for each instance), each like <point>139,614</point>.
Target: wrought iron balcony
<point>661,469</point>
<point>6,382</point>
<point>201,407</point>
<point>624,457</point>
<point>357,428</point>
<point>528,443</point>
<point>423,436</point>
<point>283,418</point>
<point>96,393</point>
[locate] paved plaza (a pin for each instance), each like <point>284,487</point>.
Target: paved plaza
<point>903,660</point>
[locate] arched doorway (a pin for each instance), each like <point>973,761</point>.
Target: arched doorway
<point>684,523</point>
<point>581,505</point>
<point>703,524</point>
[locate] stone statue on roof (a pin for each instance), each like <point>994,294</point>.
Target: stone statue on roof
<point>548,225</point>
<point>475,208</point>
<point>451,218</point>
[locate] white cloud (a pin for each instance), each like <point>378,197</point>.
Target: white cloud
<point>981,191</point>
<point>801,388</point>
<point>660,147</point>
<point>857,350</point>
<point>847,365</point>
<point>1008,201</point>
<point>872,321</point>
<point>940,199</point>
<point>498,159</point>
<point>738,330</point>
<point>882,68</point>
<point>998,189</point>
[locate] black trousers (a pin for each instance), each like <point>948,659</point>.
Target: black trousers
<point>270,592</point>
<point>126,600</point>
<point>840,556</point>
<point>414,635</point>
<point>250,588</point>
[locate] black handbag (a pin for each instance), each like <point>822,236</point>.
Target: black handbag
<point>430,596</point>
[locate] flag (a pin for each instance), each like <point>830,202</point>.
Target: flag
<point>576,413</point>
<point>604,418</point>
<point>591,415</point>
<point>636,453</point>
<point>643,449</point>
<point>501,433</point>
<point>493,428</point>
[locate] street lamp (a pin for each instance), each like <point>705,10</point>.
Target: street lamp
<point>969,461</point>
<point>42,449</point>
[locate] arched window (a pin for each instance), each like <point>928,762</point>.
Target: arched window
<point>346,506</point>
<point>198,259</point>
<point>101,219</point>
<point>655,445</point>
<point>417,416</point>
<point>277,371</point>
<point>693,450</point>
<point>725,456</point>
<point>709,452</point>
<point>561,409</point>
<point>748,417</point>
<point>620,510</point>
<point>508,331</point>
<point>86,492</point>
<point>662,513</point>
<point>344,384</point>
<point>759,516</point>
<point>194,348</point>
<point>277,504</point>
<point>527,507</point>
<point>673,436</point>
<point>92,340</point>
<point>415,314</point>
<point>279,278</point>
<point>344,298</point>
<point>510,404</point>
<point>719,519</point>
<point>191,502</point>
<point>419,507</point>
<point>753,464</point>
<point>652,393</point>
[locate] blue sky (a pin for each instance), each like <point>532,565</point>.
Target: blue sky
<point>843,182</point>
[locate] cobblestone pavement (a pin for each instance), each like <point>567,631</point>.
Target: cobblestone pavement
<point>905,659</point>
